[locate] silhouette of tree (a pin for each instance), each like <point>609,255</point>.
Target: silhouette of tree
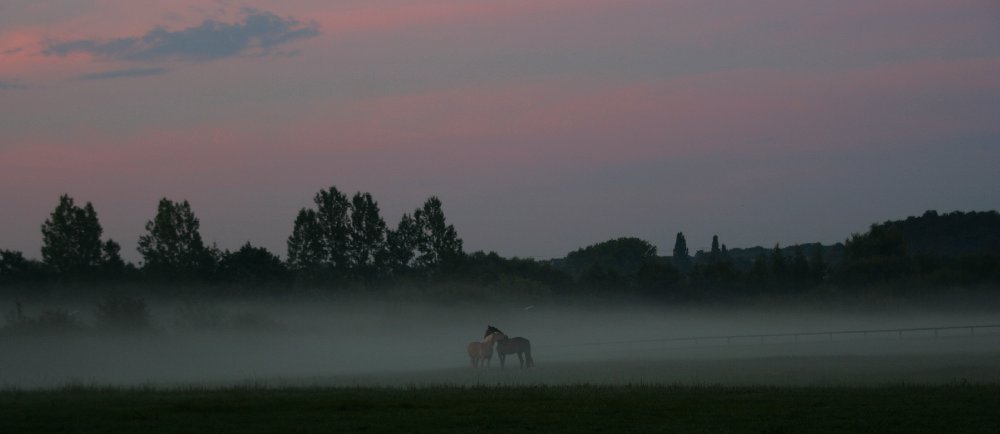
<point>623,255</point>
<point>949,235</point>
<point>172,246</point>
<point>800,265</point>
<point>817,265</point>
<point>112,265</point>
<point>779,266</point>
<point>71,240</point>
<point>438,243</point>
<point>725,254</point>
<point>519,276</point>
<point>345,237</point>
<point>656,278</point>
<point>596,277</point>
<point>333,212</point>
<point>368,251</point>
<point>252,265</point>
<point>879,241</point>
<point>716,253</point>
<point>319,247</point>
<point>15,268</point>
<point>716,270</point>
<point>403,243</point>
<point>682,258</point>
<point>305,246</point>
<point>758,271</point>
<point>877,255</point>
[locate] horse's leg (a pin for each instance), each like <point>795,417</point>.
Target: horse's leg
<point>520,357</point>
<point>502,357</point>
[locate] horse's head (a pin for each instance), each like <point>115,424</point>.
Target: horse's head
<point>490,330</point>
<point>495,336</point>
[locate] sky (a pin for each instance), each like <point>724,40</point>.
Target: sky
<point>543,125</point>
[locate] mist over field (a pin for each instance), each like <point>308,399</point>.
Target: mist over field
<point>350,341</point>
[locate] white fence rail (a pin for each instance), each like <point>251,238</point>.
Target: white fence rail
<point>795,337</point>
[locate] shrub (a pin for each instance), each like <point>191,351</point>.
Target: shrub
<point>199,316</point>
<point>52,320</point>
<point>118,312</point>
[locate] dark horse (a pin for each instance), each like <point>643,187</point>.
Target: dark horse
<point>518,345</point>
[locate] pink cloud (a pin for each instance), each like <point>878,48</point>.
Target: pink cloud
<point>110,19</point>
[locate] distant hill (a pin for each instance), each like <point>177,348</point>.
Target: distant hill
<point>949,235</point>
<point>743,257</point>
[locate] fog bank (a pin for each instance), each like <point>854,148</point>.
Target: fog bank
<point>369,342</point>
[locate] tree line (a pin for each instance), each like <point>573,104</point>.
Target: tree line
<point>338,240</point>
<point>343,241</point>
<point>917,254</point>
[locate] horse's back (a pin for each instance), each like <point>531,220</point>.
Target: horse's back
<point>521,344</point>
<point>513,345</point>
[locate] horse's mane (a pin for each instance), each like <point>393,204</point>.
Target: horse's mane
<point>490,330</point>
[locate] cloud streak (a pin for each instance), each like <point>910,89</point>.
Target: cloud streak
<point>123,73</point>
<point>259,33</point>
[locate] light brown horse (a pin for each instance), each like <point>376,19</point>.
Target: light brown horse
<point>482,351</point>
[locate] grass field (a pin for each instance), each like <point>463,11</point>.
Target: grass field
<point>389,376</point>
<point>579,408</point>
<point>789,393</point>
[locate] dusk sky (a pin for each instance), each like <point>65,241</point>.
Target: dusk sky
<point>543,125</point>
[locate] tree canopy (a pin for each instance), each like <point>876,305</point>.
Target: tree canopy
<point>172,245</point>
<point>71,242</point>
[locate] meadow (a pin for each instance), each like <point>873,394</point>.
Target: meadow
<point>574,408</point>
<point>876,393</point>
<point>390,367</point>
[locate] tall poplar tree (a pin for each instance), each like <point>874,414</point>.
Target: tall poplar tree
<point>682,258</point>
<point>716,254</point>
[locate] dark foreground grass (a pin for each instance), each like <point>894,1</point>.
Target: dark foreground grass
<point>880,409</point>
